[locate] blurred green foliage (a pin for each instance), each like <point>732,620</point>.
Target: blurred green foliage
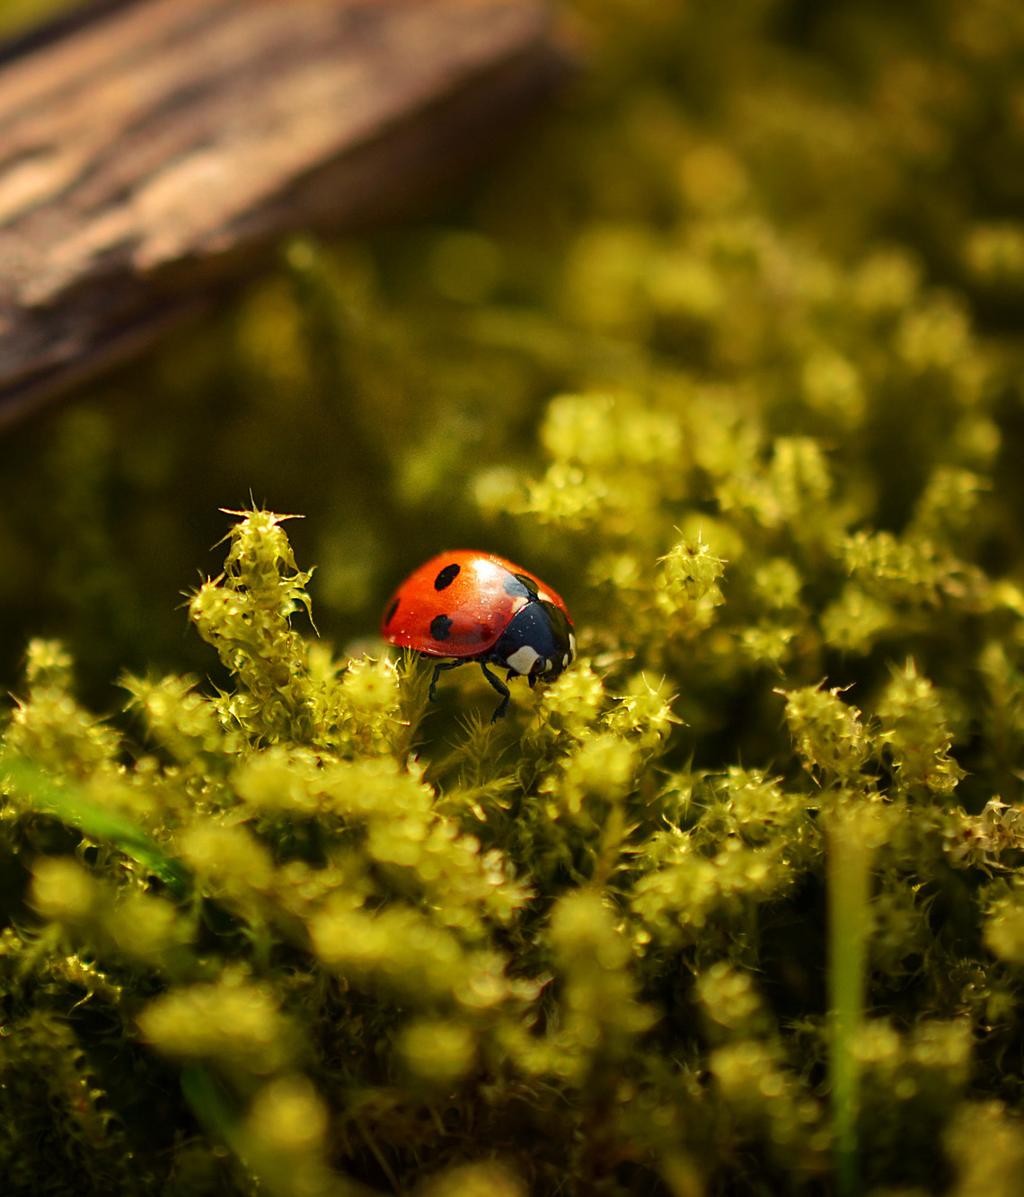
<point>728,350</point>
<point>21,16</point>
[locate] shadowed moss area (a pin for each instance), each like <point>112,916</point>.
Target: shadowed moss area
<point>729,352</point>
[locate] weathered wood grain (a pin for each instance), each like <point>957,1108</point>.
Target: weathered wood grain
<point>161,149</point>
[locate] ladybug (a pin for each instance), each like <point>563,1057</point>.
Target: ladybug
<point>470,606</point>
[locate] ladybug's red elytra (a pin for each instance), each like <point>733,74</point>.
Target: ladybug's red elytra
<point>469,606</point>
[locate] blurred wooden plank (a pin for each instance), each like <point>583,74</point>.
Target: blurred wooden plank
<point>159,150</point>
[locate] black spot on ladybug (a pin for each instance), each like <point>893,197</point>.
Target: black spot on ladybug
<point>391,613</point>
<point>447,576</point>
<point>519,586</point>
<point>440,627</point>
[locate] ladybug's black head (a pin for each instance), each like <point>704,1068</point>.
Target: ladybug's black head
<point>538,643</point>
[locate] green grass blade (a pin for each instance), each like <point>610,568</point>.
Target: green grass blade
<point>66,802</point>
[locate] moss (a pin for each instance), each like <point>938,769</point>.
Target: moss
<point>728,353</point>
<point>365,961</point>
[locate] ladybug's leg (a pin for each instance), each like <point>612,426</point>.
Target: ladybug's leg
<point>438,670</point>
<point>502,689</point>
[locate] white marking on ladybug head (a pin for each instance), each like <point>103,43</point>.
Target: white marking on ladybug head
<point>572,646</point>
<point>565,660</point>
<point>523,660</point>
<point>545,597</point>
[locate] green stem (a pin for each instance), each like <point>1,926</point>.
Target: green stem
<point>851,845</point>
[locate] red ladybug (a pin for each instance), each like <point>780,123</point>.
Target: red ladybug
<point>472,606</point>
